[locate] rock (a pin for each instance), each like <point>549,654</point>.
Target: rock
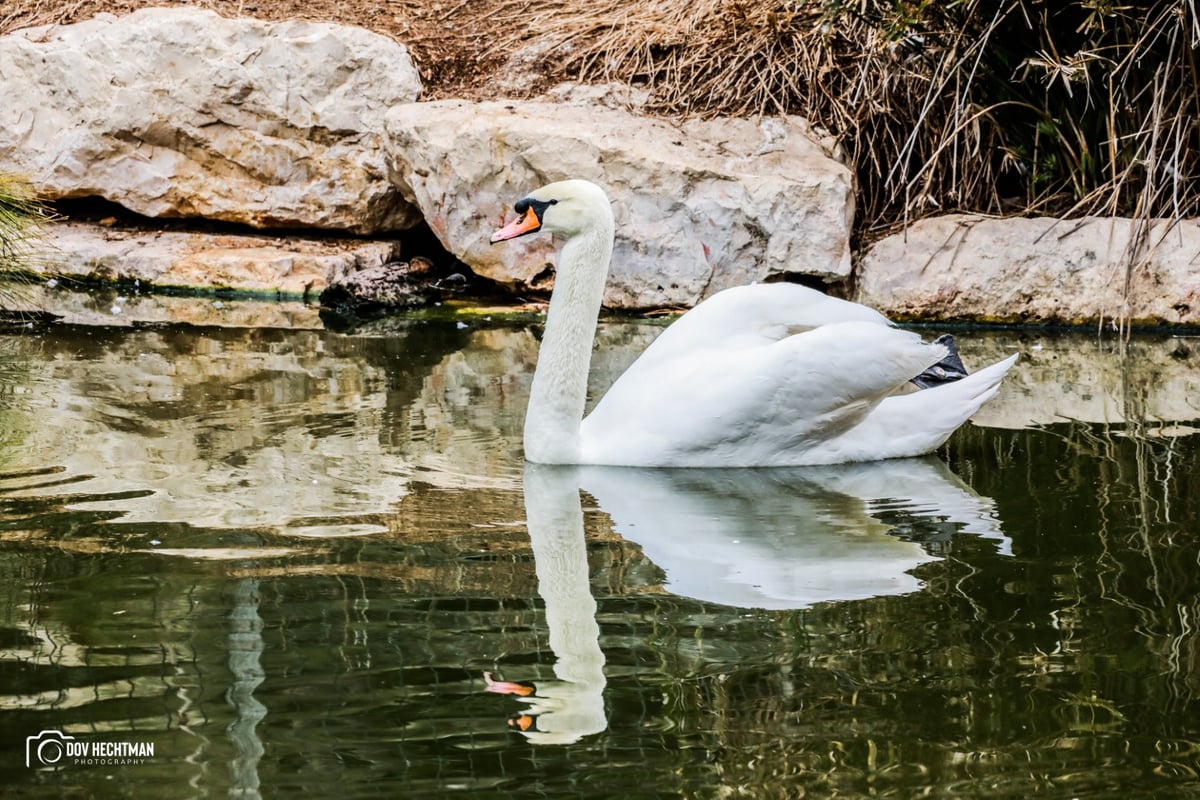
<point>206,261</point>
<point>395,285</point>
<point>700,205</point>
<point>612,95</point>
<point>179,112</point>
<point>1035,270</point>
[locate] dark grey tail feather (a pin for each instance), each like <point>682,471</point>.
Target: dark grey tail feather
<point>948,370</point>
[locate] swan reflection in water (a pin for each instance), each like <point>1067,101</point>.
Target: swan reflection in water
<point>748,538</point>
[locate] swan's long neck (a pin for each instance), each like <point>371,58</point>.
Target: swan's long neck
<point>559,391</point>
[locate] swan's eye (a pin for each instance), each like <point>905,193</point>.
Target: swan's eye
<point>539,206</point>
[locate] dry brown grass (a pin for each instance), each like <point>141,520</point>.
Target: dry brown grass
<point>845,72</point>
<point>1021,106</point>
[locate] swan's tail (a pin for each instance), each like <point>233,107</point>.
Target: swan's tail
<point>968,394</point>
<point>947,370</point>
<point>919,422</point>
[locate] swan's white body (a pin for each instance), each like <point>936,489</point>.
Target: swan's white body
<point>761,375</point>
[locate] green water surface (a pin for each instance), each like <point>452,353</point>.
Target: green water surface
<point>285,558</point>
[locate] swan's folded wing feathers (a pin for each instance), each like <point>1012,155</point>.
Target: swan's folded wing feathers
<point>753,316</point>
<point>917,423</point>
<point>837,373</point>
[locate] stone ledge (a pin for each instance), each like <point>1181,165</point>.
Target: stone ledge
<point>287,267</point>
<point>1043,270</point>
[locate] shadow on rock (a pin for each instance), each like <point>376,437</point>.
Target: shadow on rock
<point>396,286</point>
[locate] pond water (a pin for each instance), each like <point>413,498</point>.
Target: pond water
<point>288,559</point>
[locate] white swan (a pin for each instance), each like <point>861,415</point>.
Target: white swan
<point>761,375</point>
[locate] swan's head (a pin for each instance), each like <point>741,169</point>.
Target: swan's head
<point>566,207</point>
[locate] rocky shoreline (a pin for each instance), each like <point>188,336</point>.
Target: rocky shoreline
<point>312,141</point>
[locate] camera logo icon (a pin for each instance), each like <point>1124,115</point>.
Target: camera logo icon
<point>46,749</point>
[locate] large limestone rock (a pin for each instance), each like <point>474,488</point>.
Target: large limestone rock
<point>288,267</point>
<point>1036,270</point>
<point>180,112</point>
<point>700,205</point>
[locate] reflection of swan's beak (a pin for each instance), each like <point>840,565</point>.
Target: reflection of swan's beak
<point>522,722</point>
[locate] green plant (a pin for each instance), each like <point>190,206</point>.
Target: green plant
<point>21,215</point>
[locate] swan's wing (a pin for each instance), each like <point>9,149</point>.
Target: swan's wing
<point>754,316</point>
<point>752,405</point>
<point>918,422</point>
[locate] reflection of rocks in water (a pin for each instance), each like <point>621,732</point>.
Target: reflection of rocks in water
<point>275,427</point>
<point>17,321</point>
<point>1080,376</point>
<point>126,306</point>
<point>235,427</point>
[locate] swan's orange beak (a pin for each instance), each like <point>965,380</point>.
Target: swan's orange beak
<point>528,222</point>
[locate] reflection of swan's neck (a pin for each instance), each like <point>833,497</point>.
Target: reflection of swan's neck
<point>574,706</point>
<point>559,389</point>
<point>562,572</point>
